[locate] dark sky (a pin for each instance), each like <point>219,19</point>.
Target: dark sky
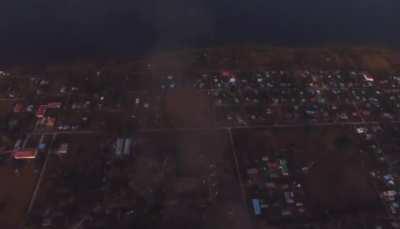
<point>36,30</point>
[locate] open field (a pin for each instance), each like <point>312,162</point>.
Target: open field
<point>170,180</point>
<point>19,179</point>
<point>15,194</point>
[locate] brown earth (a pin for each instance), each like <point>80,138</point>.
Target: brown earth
<point>15,195</point>
<point>339,179</point>
<point>188,108</point>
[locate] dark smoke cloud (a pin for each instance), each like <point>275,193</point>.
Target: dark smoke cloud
<point>57,29</point>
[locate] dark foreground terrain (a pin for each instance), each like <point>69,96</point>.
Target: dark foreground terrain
<point>215,138</point>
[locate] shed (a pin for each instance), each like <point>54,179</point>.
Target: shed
<point>25,154</point>
<point>256,206</point>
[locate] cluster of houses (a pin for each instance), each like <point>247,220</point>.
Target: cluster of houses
<point>384,179</point>
<point>273,192</point>
<point>282,97</point>
<point>239,98</point>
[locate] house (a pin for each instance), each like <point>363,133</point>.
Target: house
<point>286,212</point>
<point>54,105</point>
<point>119,146</point>
<point>127,146</point>
<point>389,195</point>
<point>41,111</point>
<point>361,130</point>
<point>122,147</point>
<point>29,108</point>
<point>63,149</point>
<point>252,171</point>
<point>25,154</point>
<point>42,147</point>
<point>284,167</point>
<point>289,197</point>
<point>18,144</point>
<point>18,108</point>
<point>368,78</point>
<point>50,122</point>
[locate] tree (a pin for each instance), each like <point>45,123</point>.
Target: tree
<point>343,144</point>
